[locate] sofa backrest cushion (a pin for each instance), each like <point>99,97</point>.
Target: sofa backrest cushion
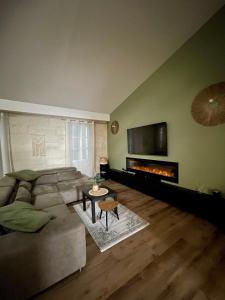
<point>72,175</point>
<point>23,195</point>
<point>7,181</point>
<point>5,193</point>
<point>47,179</point>
<point>56,170</point>
<point>26,184</point>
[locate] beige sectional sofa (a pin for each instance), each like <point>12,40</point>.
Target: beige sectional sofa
<point>31,262</point>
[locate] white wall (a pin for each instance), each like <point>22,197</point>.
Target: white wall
<point>100,143</point>
<point>40,142</point>
<point>37,142</point>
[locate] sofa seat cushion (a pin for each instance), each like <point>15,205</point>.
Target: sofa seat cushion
<point>5,193</point>
<point>66,185</point>
<point>23,195</point>
<point>48,200</point>
<point>57,210</point>
<point>63,176</point>
<point>7,181</point>
<point>72,195</point>
<point>21,216</point>
<point>70,190</point>
<point>44,189</point>
<point>47,179</point>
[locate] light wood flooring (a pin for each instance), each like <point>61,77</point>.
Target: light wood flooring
<point>178,256</point>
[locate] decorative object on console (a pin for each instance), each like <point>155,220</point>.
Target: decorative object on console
<point>114,127</point>
<point>216,193</point>
<point>208,107</point>
<point>103,160</point>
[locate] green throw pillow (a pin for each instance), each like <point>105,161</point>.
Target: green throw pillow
<point>22,216</point>
<point>27,175</point>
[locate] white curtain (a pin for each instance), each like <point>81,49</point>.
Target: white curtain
<point>6,164</point>
<point>82,146</point>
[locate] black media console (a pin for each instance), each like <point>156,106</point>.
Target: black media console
<point>203,205</point>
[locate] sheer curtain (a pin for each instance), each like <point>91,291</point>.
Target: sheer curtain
<point>82,146</point>
<point>6,163</point>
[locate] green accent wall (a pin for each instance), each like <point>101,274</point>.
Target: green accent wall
<point>167,95</point>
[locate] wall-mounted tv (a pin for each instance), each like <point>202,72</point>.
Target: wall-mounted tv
<point>148,140</point>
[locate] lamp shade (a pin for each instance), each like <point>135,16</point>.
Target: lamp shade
<point>103,160</point>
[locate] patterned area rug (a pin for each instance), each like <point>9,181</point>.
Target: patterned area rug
<point>128,224</point>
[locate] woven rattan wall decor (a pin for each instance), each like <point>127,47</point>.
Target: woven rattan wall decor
<point>208,107</point>
<point>114,127</point>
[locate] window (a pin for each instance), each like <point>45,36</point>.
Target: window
<point>81,146</point>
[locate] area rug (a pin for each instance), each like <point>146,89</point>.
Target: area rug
<point>128,224</point>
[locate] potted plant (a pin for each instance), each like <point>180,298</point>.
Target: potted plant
<point>97,180</point>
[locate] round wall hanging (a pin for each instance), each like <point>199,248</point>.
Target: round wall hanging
<point>114,127</point>
<point>208,107</point>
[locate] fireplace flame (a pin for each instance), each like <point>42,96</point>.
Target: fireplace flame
<point>155,170</point>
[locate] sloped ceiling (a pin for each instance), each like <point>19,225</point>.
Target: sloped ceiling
<point>90,54</point>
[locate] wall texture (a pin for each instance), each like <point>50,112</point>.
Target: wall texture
<point>41,142</point>
<point>167,96</point>
<point>37,142</point>
<point>100,143</point>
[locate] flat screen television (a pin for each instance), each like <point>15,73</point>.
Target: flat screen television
<point>148,140</point>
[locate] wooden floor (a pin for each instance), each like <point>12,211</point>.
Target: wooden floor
<point>178,256</point>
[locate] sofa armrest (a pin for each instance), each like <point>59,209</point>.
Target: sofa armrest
<point>31,262</point>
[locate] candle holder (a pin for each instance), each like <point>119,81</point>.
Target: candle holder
<point>95,187</point>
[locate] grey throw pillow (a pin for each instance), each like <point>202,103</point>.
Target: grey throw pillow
<point>23,195</point>
<point>26,185</point>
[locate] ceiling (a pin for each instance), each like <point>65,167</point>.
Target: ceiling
<point>90,54</point>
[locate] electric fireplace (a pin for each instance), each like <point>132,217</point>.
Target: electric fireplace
<point>158,169</point>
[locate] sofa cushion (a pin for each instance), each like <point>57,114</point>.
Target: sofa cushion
<point>72,195</point>
<point>71,190</point>
<point>56,170</point>
<point>26,184</point>
<point>67,185</point>
<point>7,181</point>
<point>57,210</point>
<point>62,176</point>
<point>5,193</point>
<point>47,179</point>
<point>83,180</point>
<point>44,189</point>
<point>23,195</point>
<point>48,200</point>
<point>21,216</point>
<point>27,175</point>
